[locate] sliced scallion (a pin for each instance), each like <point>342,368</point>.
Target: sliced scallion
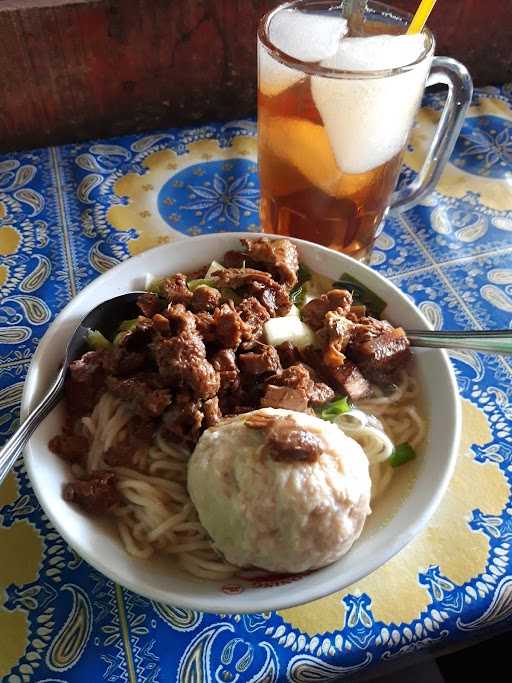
<point>154,285</point>
<point>96,340</point>
<point>194,284</point>
<point>298,292</point>
<point>215,266</point>
<point>361,294</point>
<point>402,454</point>
<point>128,325</point>
<point>335,408</point>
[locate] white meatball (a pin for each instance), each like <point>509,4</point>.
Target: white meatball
<point>280,510</point>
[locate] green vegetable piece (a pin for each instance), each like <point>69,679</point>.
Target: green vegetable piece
<point>214,267</point>
<point>402,454</point>
<point>97,340</point>
<point>297,295</point>
<point>337,407</point>
<point>298,292</point>
<point>128,325</point>
<point>194,284</point>
<point>362,295</point>
<point>304,273</point>
<point>123,329</point>
<point>119,337</point>
<point>155,286</point>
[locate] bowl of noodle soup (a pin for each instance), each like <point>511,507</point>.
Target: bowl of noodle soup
<point>423,410</point>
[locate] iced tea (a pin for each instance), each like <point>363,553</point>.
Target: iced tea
<point>334,115</point>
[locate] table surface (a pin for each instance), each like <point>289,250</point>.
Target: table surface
<point>68,214</point>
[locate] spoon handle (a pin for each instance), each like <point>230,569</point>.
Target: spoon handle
<point>12,449</point>
<point>485,341</point>
<point>353,11</point>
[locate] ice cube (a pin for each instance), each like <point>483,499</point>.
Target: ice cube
<point>305,36</point>
<point>304,146</point>
<point>376,52</point>
<point>273,76</point>
<point>368,119</point>
<point>308,37</point>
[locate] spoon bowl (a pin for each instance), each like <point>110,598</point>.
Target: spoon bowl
<point>106,317</point>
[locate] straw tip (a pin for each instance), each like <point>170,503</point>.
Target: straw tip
<point>420,18</point>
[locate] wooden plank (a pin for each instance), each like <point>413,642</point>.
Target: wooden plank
<point>476,32</point>
<point>75,69</point>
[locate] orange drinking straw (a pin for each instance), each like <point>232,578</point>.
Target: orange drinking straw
<point>420,18</point>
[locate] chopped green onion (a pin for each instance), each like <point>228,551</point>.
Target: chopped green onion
<point>119,337</point>
<point>215,266</point>
<point>298,292</point>
<point>128,325</point>
<point>402,454</point>
<point>155,286</point>
<point>335,408</point>
<point>194,284</point>
<point>362,295</point>
<point>124,328</point>
<point>297,295</point>
<point>97,340</point>
<point>304,273</point>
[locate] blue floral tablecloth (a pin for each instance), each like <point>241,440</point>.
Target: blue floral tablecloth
<point>66,215</point>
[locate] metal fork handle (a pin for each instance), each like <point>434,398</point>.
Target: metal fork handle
<point>13,448</point>
<point>484,341</point>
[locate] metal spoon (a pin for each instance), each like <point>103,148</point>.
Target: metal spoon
<point>105,317</point>
<point>353,11</point>
<point>484,341</point>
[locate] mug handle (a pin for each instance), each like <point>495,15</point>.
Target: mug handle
<point>460,89</point>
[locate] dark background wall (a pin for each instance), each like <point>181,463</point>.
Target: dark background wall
<point>75,69</point>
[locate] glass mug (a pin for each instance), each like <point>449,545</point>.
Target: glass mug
<point>331,141</point>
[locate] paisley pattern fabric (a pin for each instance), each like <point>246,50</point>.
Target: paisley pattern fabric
<point>68,214</point>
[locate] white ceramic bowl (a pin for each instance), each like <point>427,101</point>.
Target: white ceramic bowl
<point>398,518</point>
